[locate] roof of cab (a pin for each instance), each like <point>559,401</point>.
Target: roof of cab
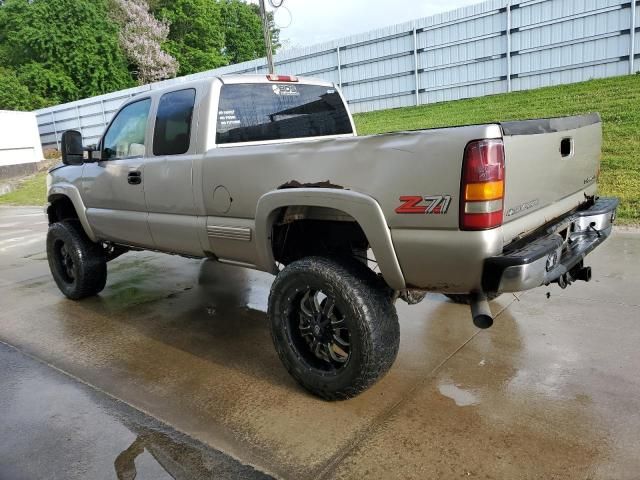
<point>225,79</point>
<point>257,78</point>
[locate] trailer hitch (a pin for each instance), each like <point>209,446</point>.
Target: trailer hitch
<point>577,273</point>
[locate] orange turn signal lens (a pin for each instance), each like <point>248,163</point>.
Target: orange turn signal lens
<point>484,191</point>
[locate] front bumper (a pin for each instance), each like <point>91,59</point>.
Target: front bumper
<point>550,254</point>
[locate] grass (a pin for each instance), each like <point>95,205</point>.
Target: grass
<point>31,191</point>
<point>617,100</point>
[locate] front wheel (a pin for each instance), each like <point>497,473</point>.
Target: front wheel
<point>78,265</point>
<point>334,325</point>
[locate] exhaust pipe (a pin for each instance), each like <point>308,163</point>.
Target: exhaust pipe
<point>480,311</point>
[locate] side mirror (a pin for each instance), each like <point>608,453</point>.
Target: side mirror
<point>72,151</point>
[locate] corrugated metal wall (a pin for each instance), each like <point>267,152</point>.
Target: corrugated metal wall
<point>492,47</point>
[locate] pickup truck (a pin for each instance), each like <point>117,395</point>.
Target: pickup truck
<point>266,172</point>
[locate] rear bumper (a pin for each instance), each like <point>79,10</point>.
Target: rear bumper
<point>546,257</point>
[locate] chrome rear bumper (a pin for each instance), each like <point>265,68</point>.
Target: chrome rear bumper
<point>553,255</point>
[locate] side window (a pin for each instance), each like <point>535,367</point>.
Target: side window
<point>173,123</point>
<point>126,135</point>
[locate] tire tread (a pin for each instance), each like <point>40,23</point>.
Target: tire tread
<point>93,265</point>
<point>372,297</point>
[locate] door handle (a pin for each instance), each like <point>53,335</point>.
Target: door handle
<point>134,177</point>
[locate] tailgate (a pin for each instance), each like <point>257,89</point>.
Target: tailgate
<point>546,161</point>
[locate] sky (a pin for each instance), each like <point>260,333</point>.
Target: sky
<point>317,21</point>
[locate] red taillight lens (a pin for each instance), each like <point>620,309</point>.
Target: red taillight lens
<point>482,190</point>
<point>281,78</point>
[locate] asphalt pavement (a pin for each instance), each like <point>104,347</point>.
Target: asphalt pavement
<point>170,373</point>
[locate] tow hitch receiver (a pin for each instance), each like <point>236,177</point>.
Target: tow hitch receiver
<point>579,272</point>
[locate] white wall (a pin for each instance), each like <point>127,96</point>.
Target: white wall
<point>19,138</point>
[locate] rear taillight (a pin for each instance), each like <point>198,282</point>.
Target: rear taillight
<point>482,190</point>
<point>272,77</point>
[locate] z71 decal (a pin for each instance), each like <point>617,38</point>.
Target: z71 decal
<point>424,205</point>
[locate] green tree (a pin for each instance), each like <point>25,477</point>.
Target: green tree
<point>62,50</point>
<point>55,51</point>
<point>50,83</point>
<point>14,95</point>
<point>196,37</point>
<point>207,34</point>
<point>243,31</point>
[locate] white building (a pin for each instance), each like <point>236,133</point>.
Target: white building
<point>20,148</point>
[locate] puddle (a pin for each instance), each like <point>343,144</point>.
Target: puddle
<point>463,398</point>
<point>173,456</point>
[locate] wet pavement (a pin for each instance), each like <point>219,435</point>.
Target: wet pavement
<point>55,427</point>
<point>551,391</point>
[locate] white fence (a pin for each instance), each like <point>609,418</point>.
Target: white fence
<point>492,47</point>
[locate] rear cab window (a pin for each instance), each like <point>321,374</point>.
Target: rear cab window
<point>172,132</point>
<point>256,112</point>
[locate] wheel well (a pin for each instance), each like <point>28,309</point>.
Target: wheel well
<point>304,231</point>
<point>61,208</point>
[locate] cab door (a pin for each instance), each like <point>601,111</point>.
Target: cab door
<point>113,187</point>
<point>169,189</point>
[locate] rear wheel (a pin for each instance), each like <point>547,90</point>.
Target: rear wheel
<point>465,299</point>
<point>77,264</point>
<point>333,325</point>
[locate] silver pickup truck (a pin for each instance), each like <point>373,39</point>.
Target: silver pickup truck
<point>266,172</point>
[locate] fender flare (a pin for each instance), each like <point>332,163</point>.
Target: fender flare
<point>363,208</point>
<point>71,192</point>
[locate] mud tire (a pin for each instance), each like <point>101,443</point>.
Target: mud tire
<point>86,274</point>
<point>366,306</point>
<point>465,299</point>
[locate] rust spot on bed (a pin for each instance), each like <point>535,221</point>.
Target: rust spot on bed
<point>297,184</point>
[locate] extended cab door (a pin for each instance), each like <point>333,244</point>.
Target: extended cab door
<point>113,187</point>
<point>169,190</point>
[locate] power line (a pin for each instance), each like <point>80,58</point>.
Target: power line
<point>275,4</point>
<point>267,35</point>
<point>280,26</point>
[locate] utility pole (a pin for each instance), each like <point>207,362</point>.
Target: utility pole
<point>267,36</point>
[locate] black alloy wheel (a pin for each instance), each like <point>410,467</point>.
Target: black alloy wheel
<point>322,328</point>
<point>65,261</point>
<point>334,325</point>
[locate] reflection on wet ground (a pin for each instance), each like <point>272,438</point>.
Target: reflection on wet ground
<point>53,426</point>
<point>551,391</point>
